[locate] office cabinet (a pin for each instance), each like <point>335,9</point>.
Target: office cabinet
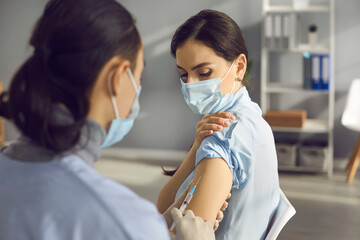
<point>285,37</point>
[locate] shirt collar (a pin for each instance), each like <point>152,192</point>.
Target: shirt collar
<point>88,147</point>
<point>241,96</point>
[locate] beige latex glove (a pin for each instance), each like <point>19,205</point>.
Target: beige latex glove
<point>167,214</point>
<point>169,220</point>
<point>190,227</point>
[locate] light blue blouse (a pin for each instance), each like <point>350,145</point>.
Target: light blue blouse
<point>248,147</point>
<point>48,196</point>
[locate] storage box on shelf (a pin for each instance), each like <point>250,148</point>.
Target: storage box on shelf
<point>286,118</point>
<point>313,157</point>
<point>286,154</point>
<point>281,36</point>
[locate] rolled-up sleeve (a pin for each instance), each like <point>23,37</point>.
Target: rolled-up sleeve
<point>235,145</point>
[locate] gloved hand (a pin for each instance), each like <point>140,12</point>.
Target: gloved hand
<point>190,227</point>
<point>169,220</point>
<point>167,214</point>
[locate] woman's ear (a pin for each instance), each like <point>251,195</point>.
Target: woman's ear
<point>241,64</point>
<point>119,76</point>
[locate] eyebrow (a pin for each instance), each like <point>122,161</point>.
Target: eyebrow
<point>196,67</point>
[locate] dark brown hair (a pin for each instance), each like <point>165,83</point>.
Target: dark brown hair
<point>72,41</point>
<point>216,30</point>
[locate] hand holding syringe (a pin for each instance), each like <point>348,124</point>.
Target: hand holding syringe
<point>186,202</point>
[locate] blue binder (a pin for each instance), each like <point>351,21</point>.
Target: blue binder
<point>320,71</point>
<point>325,71</point>
<point>315,72</point>
<point>307,70</point>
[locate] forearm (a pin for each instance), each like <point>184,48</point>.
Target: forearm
<point>168,192</point>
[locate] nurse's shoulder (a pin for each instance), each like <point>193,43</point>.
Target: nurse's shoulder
<point>121,206</point>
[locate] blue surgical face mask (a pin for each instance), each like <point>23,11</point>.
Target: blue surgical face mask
<point>204,97</point>
<point>121,126</point>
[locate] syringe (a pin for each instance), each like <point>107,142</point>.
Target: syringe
<point>186,202</point>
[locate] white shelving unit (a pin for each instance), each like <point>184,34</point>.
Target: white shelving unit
<point>270,87</point>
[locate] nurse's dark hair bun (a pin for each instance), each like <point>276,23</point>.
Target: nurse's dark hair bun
<point>72,41</point>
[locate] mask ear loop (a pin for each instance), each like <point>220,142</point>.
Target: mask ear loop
<point>132,79</point>
<point>228,71</point>
<point>116,111</point>
<point>137,91</point>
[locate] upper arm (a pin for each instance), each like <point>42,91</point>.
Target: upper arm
<point>212,189</point>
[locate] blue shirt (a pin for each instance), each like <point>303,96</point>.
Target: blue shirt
<point>49,196</point>
<point>248,148</point>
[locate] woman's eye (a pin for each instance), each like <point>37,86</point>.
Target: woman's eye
<point>207,74</point>
<point>184,77</point>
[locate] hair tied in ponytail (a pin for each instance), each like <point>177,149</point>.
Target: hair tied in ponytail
<point>68,55</point>
<point>42,52</point>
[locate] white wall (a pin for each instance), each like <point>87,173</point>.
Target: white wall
<point>166,122</point>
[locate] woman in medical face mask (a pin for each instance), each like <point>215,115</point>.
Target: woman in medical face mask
<point>77,93</point>
<point>211,57</point>
<point>209,82</point>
